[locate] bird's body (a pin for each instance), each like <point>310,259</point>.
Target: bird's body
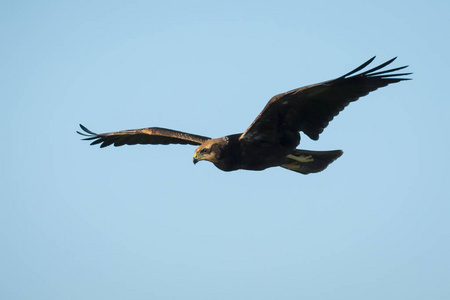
<point>231,153</point>
<point>272,138</point>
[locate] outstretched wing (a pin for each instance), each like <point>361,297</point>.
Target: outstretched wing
<point>311,108</point>
<point>151,135</point>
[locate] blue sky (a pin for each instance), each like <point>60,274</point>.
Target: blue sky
<point>142,222</point>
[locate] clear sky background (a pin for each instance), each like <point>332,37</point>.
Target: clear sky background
<point>142,222</point>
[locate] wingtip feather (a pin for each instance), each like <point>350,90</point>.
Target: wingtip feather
<point>85,129</point>
<point>359,68</point>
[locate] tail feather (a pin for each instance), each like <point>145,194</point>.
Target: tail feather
<point>306,161</point>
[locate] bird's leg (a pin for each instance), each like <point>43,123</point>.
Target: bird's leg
<point>301,158</point>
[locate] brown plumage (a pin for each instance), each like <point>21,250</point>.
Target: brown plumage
<point>272,138</point>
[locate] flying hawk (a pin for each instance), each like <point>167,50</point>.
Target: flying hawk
<point>272,138</point>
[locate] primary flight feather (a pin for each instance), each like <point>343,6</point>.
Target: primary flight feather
<point>272,138</point>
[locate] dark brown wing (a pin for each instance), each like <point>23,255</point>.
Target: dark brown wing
<point>151,135</point>
<point>311,108</point>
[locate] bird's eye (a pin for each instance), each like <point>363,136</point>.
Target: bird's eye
<point>205,150</point>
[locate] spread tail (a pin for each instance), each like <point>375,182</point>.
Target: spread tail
<point>306,161</point>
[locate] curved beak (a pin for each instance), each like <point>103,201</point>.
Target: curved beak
<point>195,160</point>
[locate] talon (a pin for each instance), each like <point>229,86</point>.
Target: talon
<point>307,158</point>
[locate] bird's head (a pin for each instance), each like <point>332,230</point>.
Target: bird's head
<point>209,150</point>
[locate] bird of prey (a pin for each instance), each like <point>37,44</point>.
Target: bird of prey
<point>272,138</point>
